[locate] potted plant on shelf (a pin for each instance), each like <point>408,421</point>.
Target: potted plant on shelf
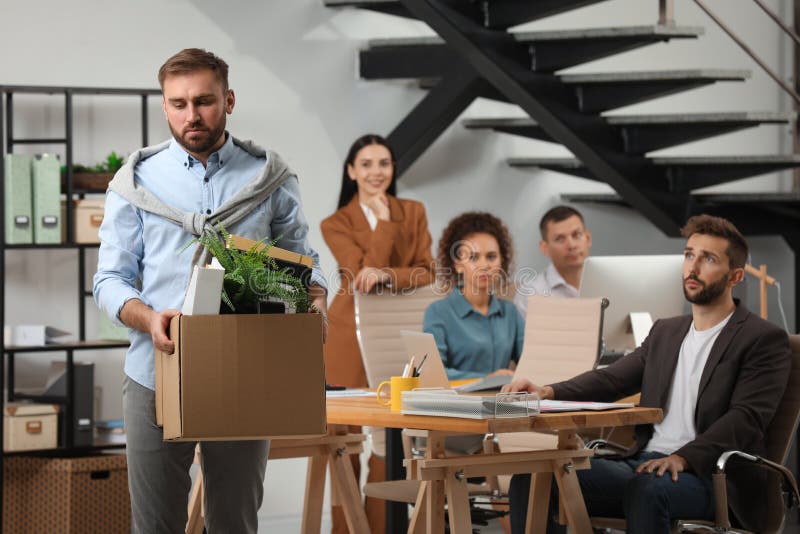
<point>95,177</point>
<point>253,281</point>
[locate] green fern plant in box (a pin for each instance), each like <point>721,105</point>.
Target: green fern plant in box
<point>252,278</point>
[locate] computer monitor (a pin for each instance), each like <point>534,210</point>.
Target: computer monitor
<point>650,284</point>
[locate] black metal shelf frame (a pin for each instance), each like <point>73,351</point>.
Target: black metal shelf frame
<point>7,143</point>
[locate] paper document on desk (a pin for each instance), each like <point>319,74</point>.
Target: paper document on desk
<point>549,406</point>
<point>448,403</point>
<point>349,393</point>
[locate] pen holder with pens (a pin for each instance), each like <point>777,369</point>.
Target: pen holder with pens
<point>397,384</point>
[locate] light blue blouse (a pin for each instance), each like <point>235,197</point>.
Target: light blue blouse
<point>472,344</point>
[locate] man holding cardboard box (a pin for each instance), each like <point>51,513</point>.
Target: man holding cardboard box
<point>163,197</point>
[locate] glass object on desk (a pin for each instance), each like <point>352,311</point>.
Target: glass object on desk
<point>519,404</point>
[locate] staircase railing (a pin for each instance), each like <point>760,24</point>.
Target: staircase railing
<point>666,16</point>
<point>749,51</point>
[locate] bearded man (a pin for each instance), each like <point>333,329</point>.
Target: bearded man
<point>718,375</point>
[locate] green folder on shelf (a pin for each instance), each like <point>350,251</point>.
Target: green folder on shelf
<point>18,203</point>
<point>46,199</point>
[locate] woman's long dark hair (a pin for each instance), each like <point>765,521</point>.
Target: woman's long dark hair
<point>349,186</point>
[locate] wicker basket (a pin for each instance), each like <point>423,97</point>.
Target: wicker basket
<point>84,495</point>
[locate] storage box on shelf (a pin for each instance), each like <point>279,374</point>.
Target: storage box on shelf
<point>29,427</point>
<point>87,220</point>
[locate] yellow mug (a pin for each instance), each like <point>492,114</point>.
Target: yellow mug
<point>398,384</point>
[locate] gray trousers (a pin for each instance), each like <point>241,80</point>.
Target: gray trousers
<point>158,474</point>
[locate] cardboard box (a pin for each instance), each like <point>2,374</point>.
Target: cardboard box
<point>66,495</point>
<point>30,427</point>
<point>88,218</point>
<point>235,377</point>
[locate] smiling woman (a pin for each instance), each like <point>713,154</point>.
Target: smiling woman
<point>380,242</point>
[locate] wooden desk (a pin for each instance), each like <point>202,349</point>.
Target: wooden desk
<point>440,475</point>
<point>333,449</point>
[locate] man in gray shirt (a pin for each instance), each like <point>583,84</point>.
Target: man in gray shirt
<point>566,241</point>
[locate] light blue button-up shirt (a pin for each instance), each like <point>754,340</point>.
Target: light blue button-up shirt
<point>472,344</point>
<point>140,253</point>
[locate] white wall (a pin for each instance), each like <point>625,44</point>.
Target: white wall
<point>293,67</point>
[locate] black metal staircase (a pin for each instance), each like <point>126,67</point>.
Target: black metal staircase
<point>474,55</point>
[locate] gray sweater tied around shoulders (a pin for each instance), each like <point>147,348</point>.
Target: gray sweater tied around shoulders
<point>274,173</point>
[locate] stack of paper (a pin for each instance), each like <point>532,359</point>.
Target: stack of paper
<point>448,403</point>
<point>546,406</point>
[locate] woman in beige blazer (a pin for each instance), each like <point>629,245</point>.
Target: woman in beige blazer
<point>377,239</point>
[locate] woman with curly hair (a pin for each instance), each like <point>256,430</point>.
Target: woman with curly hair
<point>478,334</point>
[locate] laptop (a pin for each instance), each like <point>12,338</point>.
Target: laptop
<point>418,344</point>
<point>433,374</point>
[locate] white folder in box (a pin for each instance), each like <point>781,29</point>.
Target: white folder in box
<point>204,293</point>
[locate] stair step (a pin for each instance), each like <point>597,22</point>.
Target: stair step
<point>495,14</point>
<point>680,174</point>
<point>389,7</point>
<point>646,133</point>
<point>754,213</point>
<point>546,51</point>
<point>605,91</point>
<point>609,90</point>
<point>749,199</point>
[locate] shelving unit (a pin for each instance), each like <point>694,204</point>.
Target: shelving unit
<point>7,144</point>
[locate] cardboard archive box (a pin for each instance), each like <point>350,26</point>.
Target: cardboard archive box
<point>88,218</point>
<point>18,199</point>
<point>237,377</point>
<point>46,181</point>
<point>30,427</point>
<point>83,495</point>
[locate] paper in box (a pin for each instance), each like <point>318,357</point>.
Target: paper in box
<point>236,377</point>
<point>203,295</point>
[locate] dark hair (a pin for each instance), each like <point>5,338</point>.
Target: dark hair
<point>556,215</point>
<point>737,250</point>
<point>463,226</point>
<point>350,187</point>
<point>191,60</point>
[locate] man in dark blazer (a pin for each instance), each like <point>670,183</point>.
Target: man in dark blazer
<point>718,374</point>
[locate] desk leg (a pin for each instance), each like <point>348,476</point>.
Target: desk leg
<point>434,501</point>
<point>396,512</point>
<point>345,479</point>
<point>458,505</point>
<point>538,503</point>
<point>418,517</point>
<point>315,491</point>
<point>570,497</point>
<point>196,523</point>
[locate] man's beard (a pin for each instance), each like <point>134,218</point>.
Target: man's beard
<point>709,293</point>
<point>204,143</point>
